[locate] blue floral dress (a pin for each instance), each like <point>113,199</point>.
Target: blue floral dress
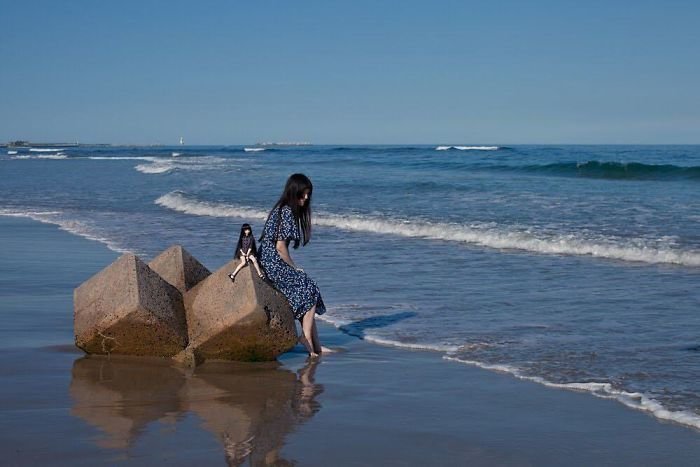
<point>301,291</point>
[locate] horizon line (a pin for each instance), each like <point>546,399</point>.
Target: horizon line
<point>305,144</point>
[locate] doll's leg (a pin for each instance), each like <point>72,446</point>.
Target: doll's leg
<point>238,268</point>
<point>255,263</point>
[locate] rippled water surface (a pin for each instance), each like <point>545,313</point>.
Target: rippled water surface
<point>573,266</point>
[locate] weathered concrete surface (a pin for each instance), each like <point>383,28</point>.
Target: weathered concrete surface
<point>129,309</point>
<point>179,268</point>
<point>246,321</point>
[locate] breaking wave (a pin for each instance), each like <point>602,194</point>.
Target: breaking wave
<point>484,236</point>
<point>59,156</point>
<point>165,165</point>
<point>155,167</point>
<point>123,158</point>
<point>468,148</point>
<point>180,203</point>
<point>53,156</point>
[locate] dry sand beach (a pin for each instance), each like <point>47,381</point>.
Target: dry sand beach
<point>365,405</point>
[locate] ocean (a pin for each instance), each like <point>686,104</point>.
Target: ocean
<point>575,267</point>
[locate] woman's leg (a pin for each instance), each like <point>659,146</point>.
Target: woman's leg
<point>307,326</point>
<point>315,342</point>
<point>255,263</point>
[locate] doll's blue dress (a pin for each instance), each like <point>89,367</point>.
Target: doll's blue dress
<point>301,291</point>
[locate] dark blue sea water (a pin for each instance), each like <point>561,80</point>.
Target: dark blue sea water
<point>573,266</point>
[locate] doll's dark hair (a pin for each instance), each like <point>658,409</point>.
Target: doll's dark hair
<point>239,246</point>
<point>292,193</point>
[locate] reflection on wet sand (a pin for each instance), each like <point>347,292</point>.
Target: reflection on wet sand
<point>250,408</point>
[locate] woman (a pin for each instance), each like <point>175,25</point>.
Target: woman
<point>290,221</point>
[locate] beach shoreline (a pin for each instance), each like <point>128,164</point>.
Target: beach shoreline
<point>365,405</point>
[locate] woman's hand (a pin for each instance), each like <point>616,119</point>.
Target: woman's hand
<point>281,247</point>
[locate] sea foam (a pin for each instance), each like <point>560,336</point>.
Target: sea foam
<point>123,158</point>
<point>637,401</point>
<point>59,156</point>
<point>633,400</point>
<point>181,203</point>
<point>165,165</point>
<point>346,327</point>
<point>468,148</point>
<point>502,238</point>
<point>72,226</point>
<point>156,167</point>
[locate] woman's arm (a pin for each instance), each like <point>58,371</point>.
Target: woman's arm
<point>284,253</point>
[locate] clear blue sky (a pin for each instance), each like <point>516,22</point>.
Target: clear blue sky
<point>228,72</point>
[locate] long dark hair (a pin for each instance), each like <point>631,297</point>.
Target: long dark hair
<point>292,193</point>
<point>239,246</point>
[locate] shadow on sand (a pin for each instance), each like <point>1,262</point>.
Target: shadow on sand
<point>249,408</point>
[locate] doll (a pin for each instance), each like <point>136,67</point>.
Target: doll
<point>246,251</point>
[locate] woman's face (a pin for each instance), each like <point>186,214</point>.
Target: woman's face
<point>304,197</point>
<point>246,232</point>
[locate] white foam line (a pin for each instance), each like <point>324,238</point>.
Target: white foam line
<point>487,237</point>
<point>634,400</point>
<point>74,227</point>
<point>503,239</point>
<point>124,158</point>
<point>340,324</point>
<point>468,148</point>
<point>58,156</point>
<point>253,149</point>
<point>159,166</point>
<point>177,202</point>
<point>43,150</point>
<point>155,167</point>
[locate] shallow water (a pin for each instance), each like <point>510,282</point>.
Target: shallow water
<point>573,266</point>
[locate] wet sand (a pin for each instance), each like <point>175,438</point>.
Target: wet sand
<point>366,405</point>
